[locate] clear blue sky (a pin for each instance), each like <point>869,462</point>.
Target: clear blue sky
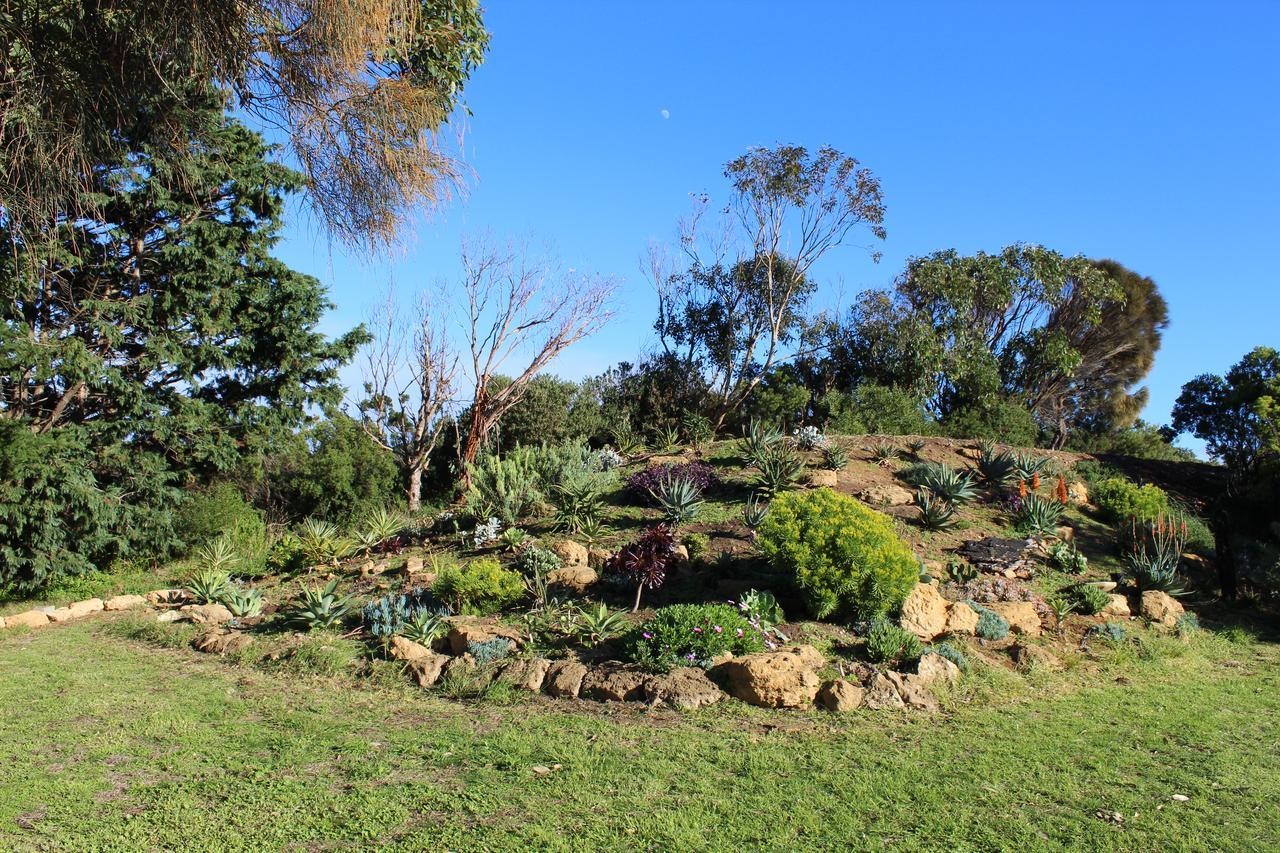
<point>1146,132</point>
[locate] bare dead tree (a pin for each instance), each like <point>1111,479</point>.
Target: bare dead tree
<point>409,376</point>
<point>739,304</point>
<point>520,306</point>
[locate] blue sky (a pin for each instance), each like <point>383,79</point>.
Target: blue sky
<point>1146,132</point>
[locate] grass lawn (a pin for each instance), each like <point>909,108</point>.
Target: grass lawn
<point>108,742</point>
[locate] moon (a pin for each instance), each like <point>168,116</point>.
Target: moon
<point>665,113</point>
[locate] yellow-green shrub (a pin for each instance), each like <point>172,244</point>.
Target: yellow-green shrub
<point>845,557</point>
<point>479,587</point>
<point>1119,500</point>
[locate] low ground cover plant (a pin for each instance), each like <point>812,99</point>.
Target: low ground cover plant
<point>479,587</point>
<point>691,635</point>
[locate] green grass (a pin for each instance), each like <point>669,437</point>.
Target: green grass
<point>108,740</point>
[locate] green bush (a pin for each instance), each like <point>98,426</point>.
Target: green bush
<point>878,410</point>
<point>335,472</point>
<point>221,512</point>
<point>1003,420</point>
<point>1120,500</point>
<point>888,643</point>
<point>504,486</point>
<point>691,635</point>
<point>1090,599</point>
<point>480,587</point>
<point>844,557</point>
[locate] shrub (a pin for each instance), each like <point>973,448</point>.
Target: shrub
<point>504,486</point>
<point>691,635</point>
<point>1120,500</point>
<point>891,644</point>
<point>336,471</point>
<point>696,544</point>
<point>646,484</point>
<point>1155,552</point>
<point>220,512</point>
<point>1090,599</point>
<point>646,561</point>
<point>1002,420</point>
<point>877,410</point>
<point>996,468</point>
<point>951,653</point>
<point>843,556</point>
<point>762,610</point>
<point>479,587</point>
<point>286,555</point>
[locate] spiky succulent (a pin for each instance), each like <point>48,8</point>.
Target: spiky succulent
<point>996,469</point>
<point>955,487</point>
<point>883,451</point>
<point>1036,515</point>
<point>208,586</point>
<point>320,608</point>
<point>778,472</point>
<point>243,603</point>
<point>758,439</point>
<point>834,457</point>
<point>679,499</point>
<point>935,513</point>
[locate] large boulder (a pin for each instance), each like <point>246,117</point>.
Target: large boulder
<point>962,619</point>
<point>1161,608</point>
<point>84,608</point>
<point>427,669</point>
<point>27,619</point>
<point>570,552</point>
<point>824,477</point>
<point>914,690</point>
<point>597,557</point>
<point>935,669</point>
<point>841,695</point>
<point>576,579</point>
<point>924,613</point>
<point>525,674</point>
<point>613,683</point>
<point>886,495</point>
<point>685,687</point>
<point>564,679</point>
<point>61,614</point>
<point>221,641</point>
<point>781,679</point>
<point>406,650</point>
<point>882,693</point>
<point>206,614</point>
<point>123,602</point>
<point>1021,616</point>
<point>1078,492</point>
<point>1117,605</point>
<point>465,630</point>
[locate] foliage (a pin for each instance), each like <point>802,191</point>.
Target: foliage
<point>1067,557</point>
<point>991,625</point>
<point>1155,552</point>
<point>646,484</point>
<point>333,471</point>
<point>691,635</point>
<point>551,411</point>
<point>951,653</point>
<point>608,459</point>
<point>762,610</point>
<point>808,437</point>
<point>873,409</point>
<point>489,651</point>
<point>1036,515</point>
<point>220,512</point>
<point>1089,599</point>
<point>843,557</point>
<point>1008,421</point>
<point>1237,415</point>
<point>320,608</point>
<point>1119,500</point>
<point>425,625</point>
<point>578,503</point>
<point>208,586</point>
<point>936,513</point>
<point>600,624</point>
<point>696,544</point>
<point>1112,632</point>
<point>1029,466</point>
<point>834,457</point>
<point>479,587</point>
<point>243,603</point>
<point>758,440</point>
<point>779,471</point>
<point>915,446</point>
<point>1188,624</point>
<point>538,561</point>
<point>647,561</point>
<point>1141,440</point>
<point>286,555</point>
<point>506,486</point>
<point>889,644</point>
<point>679,499</point>
<point>322,542</point>
<point>961,571</point>
<point>380,527</point>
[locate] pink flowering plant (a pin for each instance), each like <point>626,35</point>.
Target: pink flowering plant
<point>692,635</point>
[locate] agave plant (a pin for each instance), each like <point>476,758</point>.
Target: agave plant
<point>512,538</point>
<point>996,469</point>
<point>1154,552</point>
<point>209,586</point>
<point>915,446</point>
<point>780,470</point>
<point>243,603</point>
<point>834,457</point>
<point>626,440</point>
<point>320,608</point>
<point>426,625</point>
<point>1036,515</point>
<point>680,500</point>
<point>883,451</point>
<point>599,625</point>
<point>935,512</point>
<point>592,530</point>
<point>954,487</point>
<point>379,527</point>
<point>322,542</point>
<point>218,556</point>
<point>1028,466</point>
<point>757,441</point>
<point>753,513</point>
<point>667,437</point>
<point>577,502</point>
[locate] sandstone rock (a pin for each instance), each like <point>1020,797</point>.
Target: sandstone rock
<point>84,608</point>
<point>1065,532</point>
<point>686,687</point>
<point>2,622</point>
<point>886,495</point>
<point>428,668</point>
<point>667,460</point>
<point>123,602</point>
<point>60,614</point>
<point>681,553</point>
<point>1161,608</point>
<point>841,695</point>
<point>221,641</point>
<point>1027,656</point>
<point>1105,586</point>
<point>914,691</point>
<point>962,619</point>
<point>613,683</point>
<point>406,650</point>
<point>1117,606</point>
<point>27,619</point>
<point>168,597</point>
<point>206,614</point>
<point>564,679</point>
<point>572,553</point>
<point>935,669</point>
<point>465,630</point>
<point>371,569</point>
<point>1021,616</point>
<point>882,694</point>
<point>824,477</point>
<point>924,613</point>
<point>597,557</point>
<point>413,566</point>
<point>525,674</point>
<point>781,679</point>
<point>1078,492</point>
<point>168,616</point>
<point>577,579</point>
